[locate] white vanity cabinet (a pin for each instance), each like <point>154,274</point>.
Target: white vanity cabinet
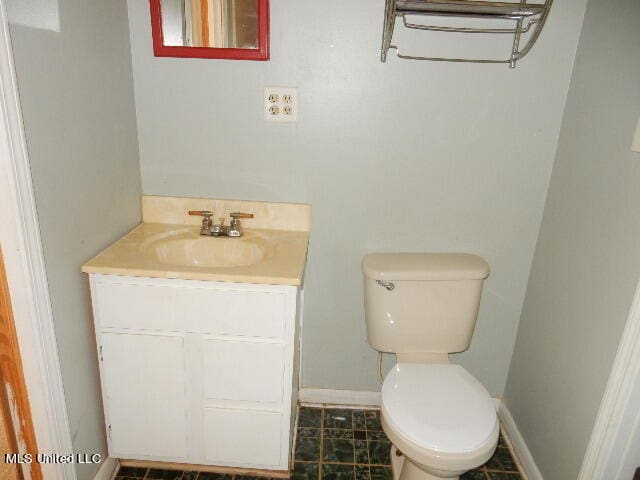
<point>197,372</point>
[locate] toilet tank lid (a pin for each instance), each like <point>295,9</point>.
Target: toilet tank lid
<point>424,266</point>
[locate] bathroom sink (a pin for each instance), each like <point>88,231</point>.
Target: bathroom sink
<point>157,250</point>
<point>188,249</point>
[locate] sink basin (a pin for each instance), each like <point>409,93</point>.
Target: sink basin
<point>159,250</point>
<point>187,249</point>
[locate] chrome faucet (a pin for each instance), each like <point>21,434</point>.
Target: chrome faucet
<point>220,230</point>
<point>207,223</point>
<point>235,229</point>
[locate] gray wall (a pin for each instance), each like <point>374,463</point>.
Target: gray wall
<point>587,261</point>
<point>77,97</point>
<point>403,156</point>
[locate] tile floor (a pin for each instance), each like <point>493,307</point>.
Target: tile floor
<point>339,444</point>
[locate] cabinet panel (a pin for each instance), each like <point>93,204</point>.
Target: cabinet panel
<point>237,437</point>
<point>234,312</point>
<point>194,309</point>
<point>144,382</point>
<point>133,306</point>
<point>244,371</point>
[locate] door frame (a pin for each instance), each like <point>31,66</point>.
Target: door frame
<point>616,423</point>
<point>26,275</point>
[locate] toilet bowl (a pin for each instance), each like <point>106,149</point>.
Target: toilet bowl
<point>422,307</point>
<point>441,421</point>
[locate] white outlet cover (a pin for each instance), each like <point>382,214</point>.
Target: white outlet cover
<point>286,101</point>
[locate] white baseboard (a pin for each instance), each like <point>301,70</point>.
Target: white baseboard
<point>339,397</point>
<point>108,469</point>
<point>518,445</point>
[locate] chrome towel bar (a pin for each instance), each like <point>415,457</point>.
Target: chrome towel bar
<point>526,17</point>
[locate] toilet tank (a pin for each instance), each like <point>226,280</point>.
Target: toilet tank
<point>422,302</point>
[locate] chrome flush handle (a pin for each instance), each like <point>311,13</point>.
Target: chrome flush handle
<point>388,285</point>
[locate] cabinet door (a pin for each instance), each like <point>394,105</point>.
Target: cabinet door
<point>244,371</point>
<point>243,438</point>
<point>145,384</point>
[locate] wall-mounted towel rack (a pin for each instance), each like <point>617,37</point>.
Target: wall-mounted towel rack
<point>523,18</point>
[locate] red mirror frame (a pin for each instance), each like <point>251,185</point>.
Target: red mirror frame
<point>260,53</point>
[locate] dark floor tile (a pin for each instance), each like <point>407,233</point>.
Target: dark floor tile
<point>337,472</point>
<point>338,418</point>
<point>360,434</point>
<point>132,472</point>
<point>377,435</point>
<point>361,452</point>
<point>306,471</point>
<point>379,453</point>
<point>474,475</point>
<point>125,478</point>
<point>310,417</point>
<point>214,476</point>
<point>373,420</point>
<point>362,472</point>
<point>359,420</point>
<point>308,432</point>
<point>502,461</point>
<point>337,451</point>
<point>504,476</point>
<point>381,473</point>
<point>164,474</point>
<point>337,433</point>
<point>308,450</point>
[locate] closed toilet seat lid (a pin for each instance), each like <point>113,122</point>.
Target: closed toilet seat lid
<point>440,407</point>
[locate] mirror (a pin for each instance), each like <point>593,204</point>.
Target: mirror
<point>230,29</point>
<point>214,23</point>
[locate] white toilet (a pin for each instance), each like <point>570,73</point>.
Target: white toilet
<point>422,306</point>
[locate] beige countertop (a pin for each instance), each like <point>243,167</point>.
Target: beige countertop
<point>162,250</point>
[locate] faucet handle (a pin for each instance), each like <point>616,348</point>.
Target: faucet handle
<point>241,215</point>
<point>235,230</point>
<point>206,215</point>
<point>201,213</point>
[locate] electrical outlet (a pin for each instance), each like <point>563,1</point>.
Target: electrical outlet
<point>281,104</point>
